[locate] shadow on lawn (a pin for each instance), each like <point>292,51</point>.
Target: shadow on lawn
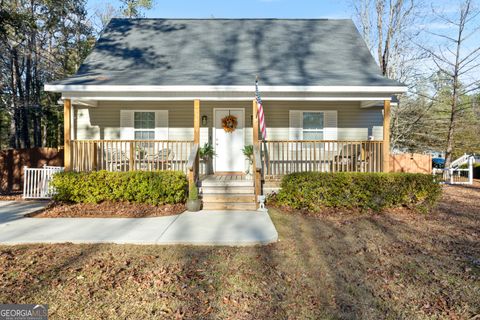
<point>396,265</point>
<point>390,265</point>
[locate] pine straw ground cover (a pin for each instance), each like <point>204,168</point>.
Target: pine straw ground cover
<point>11,196</point>
<point>394,265</point>
<point>107,209</point>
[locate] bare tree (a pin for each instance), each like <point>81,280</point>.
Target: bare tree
<point>105,11</point>
<point>135,8</point>
<point>386,26</point>
<point>457,64</point>
<point>102,15</point>
<point>389,28</point>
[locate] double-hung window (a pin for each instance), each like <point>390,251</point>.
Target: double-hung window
<point>144,125</point>
<point>313,125</point>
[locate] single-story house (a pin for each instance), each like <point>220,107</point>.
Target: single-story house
<point>153,90</point>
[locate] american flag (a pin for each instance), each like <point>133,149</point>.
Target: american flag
<point>261,115</point>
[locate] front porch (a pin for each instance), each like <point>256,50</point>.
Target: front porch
<point>277,157</point>
<point>344,147</point>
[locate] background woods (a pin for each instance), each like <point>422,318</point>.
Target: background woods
<point>431,47</point>
<point>40,41</point>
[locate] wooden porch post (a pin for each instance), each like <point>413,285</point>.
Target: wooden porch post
<point>256,146</point>
<point>386,136</point>
<point>196,121</point>
<point>193,174</point>
<point>67,134</point>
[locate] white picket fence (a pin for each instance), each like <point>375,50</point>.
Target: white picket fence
<point>36,182</point>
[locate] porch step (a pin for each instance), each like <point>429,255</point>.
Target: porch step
<point>227,183</point>
<point>229,198</point>
<point>233,192</point>
<point>229,206</point>
<point>226,189</point>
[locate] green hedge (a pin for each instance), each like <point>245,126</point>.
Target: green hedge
<point>314,191</point>
<point>157,188</point>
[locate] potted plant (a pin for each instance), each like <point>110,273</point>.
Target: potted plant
<point>248,153</point>
<point>207,153</point>
<point>193,202</point>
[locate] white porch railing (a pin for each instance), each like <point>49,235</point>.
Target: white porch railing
<point>460,176</point>
<point>126,155</point>
<point>36,182</point>
<point>456,175</point>
<point>284,157</point>
<point>460,161</point>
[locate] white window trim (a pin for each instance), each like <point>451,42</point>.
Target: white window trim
<point>143,129</point>
<point>127,130</point>
<point>327,128</point>
<point>316,130</point>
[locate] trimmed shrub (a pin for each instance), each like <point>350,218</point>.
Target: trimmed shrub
<point>314,191</point>
<point>156,188</point>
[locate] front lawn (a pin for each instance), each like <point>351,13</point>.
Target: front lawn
<point>394,265</point>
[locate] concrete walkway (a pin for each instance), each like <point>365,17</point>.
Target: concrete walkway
<point>232,228</point>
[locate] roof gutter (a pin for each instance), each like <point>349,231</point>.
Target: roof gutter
<point>296,89</point>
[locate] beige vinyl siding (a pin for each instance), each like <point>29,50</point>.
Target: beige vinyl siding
<point>103,121</point>
<point>354,123</point>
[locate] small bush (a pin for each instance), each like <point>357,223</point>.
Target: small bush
<point>193,192</point>
<point>313,191</point>
<point>156,188</point>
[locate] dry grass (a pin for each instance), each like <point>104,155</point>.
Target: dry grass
<point>395,265</point>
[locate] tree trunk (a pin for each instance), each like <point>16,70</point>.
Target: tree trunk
<point>380,6</point>
<point>450,135</point>
<point>455,89</point>
<point>21,97</point>
<point>37,119</point>
<point>13,138</point>
<point>14,133</point>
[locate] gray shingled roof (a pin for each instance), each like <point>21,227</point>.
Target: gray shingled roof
<point>282,52</point>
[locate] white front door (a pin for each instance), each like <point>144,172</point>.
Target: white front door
<point>229,145</point>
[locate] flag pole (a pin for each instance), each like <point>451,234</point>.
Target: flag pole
<point>265,150</point>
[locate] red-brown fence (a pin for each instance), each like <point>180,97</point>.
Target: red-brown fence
<point>411,162</point>
<point>12,162</point>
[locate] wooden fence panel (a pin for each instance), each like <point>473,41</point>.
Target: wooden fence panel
<point>12,162</point>
<point>411,162</point>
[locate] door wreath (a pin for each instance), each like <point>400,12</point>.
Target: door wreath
<point>229,123</point>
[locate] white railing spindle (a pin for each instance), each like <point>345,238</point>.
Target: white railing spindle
<point>36,182</point>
